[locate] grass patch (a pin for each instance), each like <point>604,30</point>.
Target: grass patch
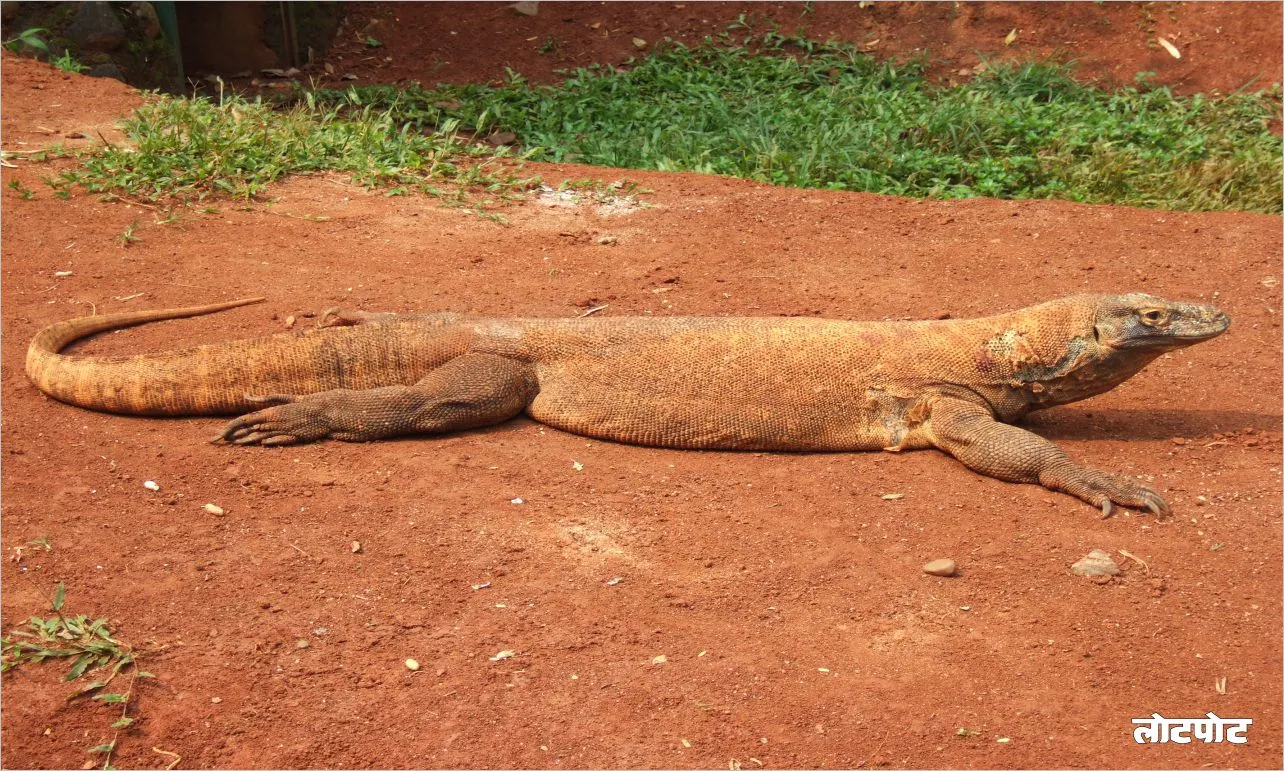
<point>793,112</point>
<point>91,647</point>
<point>783,110</point>
<point>187,150</point>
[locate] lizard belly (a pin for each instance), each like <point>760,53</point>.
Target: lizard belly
<point>679,415</point>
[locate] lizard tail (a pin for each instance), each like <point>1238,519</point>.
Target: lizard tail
<point>80,380</point>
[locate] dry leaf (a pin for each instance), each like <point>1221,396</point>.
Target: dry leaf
<point>893,496</point>
<point>1169,47</point>
<point>503,655</point>
<point>639,42</point>
<point>1011,37</point>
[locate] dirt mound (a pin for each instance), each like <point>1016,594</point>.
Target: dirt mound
<point>784,591</point>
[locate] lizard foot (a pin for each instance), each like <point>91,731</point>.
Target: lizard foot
<point>1106,490</point>
<point>342,317</point>
<point>292,419</point>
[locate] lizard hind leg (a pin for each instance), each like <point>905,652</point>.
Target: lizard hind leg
<point>469,391</point>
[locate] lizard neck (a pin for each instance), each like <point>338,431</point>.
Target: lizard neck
<point>1048,355</point>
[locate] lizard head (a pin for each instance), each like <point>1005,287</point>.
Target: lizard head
<point>1088,344</point>
<point>1141,322</point>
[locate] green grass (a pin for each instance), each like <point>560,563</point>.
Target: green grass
<point>91,646</point>
<point>792,112</point>
<point>187,150</point>
<point>766,107</point>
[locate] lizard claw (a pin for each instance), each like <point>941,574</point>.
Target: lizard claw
<point>1107,491</point>
<point>271,398</point>
<point>288,421</point>
<point>342,317</point>
<point>1158,506</point>
<point>336,317</point>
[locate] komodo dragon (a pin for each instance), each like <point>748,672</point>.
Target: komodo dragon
<point>691,383</point>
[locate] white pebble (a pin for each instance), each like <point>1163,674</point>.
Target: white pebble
<point>942,567</point>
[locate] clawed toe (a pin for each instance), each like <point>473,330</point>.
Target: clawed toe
<point>336,317</point>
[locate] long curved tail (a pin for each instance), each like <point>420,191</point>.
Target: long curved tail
<point>110,383</point>
<point>221,378</point>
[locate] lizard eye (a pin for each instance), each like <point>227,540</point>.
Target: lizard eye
<point>1152,316</point>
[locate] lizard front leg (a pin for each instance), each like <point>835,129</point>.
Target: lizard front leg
<point>469,391</point>
<point>969,432</point>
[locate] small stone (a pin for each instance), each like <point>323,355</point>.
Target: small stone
<point>150,485</point>
<point>412,665</point>
<point>216,700</point>
<point>302,643</point>
<point>659,659</point>
<point>216,510</point>
<point>1097,563</point>
<point>356,547</point>
<point>941,567</point>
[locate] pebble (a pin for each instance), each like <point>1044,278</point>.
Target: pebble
<point>412,665</point>
<point>1097,563</point>
<point>942,567</point>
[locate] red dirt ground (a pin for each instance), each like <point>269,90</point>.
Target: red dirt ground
<point>1224,46</point>
<point>785,593</point>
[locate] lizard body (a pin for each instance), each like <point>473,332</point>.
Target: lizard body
<point>691,383</point>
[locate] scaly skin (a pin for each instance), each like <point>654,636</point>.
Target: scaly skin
<point>694,383</point>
